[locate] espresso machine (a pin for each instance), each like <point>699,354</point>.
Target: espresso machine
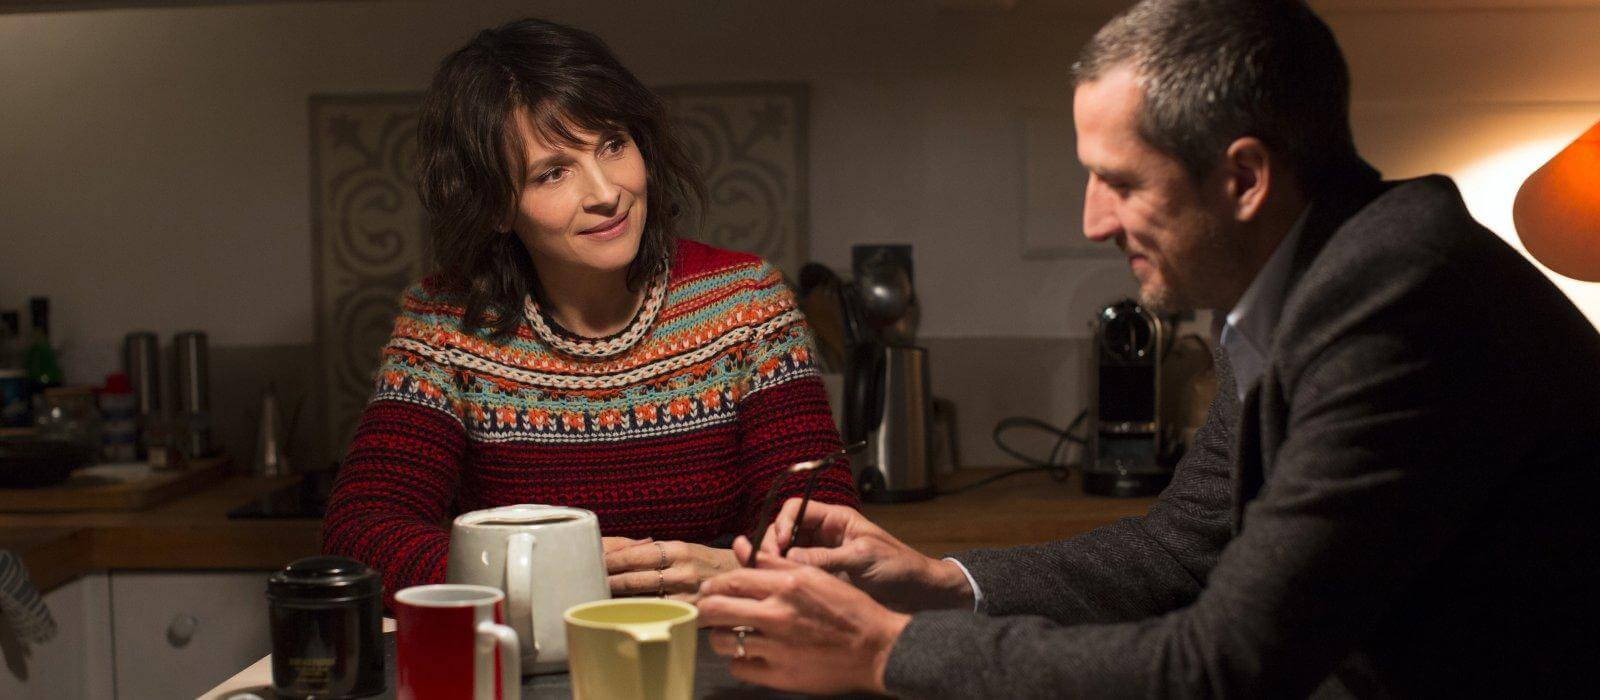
<point>888,400</point>
<point>1128,453</point>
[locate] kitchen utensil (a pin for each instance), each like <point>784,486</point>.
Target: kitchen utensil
<point>821,301</point>
<point>886,292</point>
<point>904,330</point>
<point>856,329</point>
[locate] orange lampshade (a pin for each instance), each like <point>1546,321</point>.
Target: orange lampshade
<point>1557,210</point>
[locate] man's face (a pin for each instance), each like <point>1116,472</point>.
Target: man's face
<point>1174,230</point>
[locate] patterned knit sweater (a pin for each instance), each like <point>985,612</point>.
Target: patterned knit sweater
<point>673,428</point>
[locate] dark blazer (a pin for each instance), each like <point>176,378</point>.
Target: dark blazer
<point>1402,507</point>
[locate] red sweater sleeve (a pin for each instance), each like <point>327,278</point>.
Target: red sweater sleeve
<point>782,425</point>
<point>390,504</point>
<point>784,416</point>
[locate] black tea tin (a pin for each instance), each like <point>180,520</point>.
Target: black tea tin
<point>326,615</point>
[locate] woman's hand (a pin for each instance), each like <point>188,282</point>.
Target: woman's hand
<point>671,569</point>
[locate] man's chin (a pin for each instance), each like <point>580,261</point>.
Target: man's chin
<point>1160,301</point>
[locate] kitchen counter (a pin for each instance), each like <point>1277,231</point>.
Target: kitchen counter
<point>193,532</point>
<point>188,532</point>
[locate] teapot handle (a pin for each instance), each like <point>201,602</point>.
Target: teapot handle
<point>519,588</point>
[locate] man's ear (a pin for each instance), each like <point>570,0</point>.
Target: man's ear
<point>1249,169</point>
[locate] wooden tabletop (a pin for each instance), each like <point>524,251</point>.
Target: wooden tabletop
<point>194,532</point>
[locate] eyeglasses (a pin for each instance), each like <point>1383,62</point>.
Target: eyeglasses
<point>809,469</point>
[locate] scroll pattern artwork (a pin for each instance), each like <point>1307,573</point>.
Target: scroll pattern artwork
<point>369,230</point>
<point>751,143</point>
<point>369,235</point>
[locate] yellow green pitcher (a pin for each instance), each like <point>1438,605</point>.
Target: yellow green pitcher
<point>632,648</point>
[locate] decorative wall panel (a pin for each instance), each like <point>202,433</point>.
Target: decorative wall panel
<point>750,141</point>
<point>368,240</point>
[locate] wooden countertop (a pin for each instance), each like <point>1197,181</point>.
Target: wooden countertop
<point>187,532</point>
<point>1023,509</point>
<point>193,532</point>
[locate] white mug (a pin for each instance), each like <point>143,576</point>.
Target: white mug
<point>545,558</point>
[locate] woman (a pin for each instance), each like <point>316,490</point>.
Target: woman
<point>570,350</point>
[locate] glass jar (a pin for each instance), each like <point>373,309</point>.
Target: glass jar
<point>68,413</point>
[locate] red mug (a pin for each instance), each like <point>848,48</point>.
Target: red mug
<point>451,643</point>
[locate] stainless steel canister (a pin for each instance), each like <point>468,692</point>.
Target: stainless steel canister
<point>141,361</point>
<point>193,396</point>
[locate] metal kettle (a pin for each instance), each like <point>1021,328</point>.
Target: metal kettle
<point>889,402</point>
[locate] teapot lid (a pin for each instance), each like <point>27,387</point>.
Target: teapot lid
<point>324,578</point>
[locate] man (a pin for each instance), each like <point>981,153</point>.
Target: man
<point>1400,507</point>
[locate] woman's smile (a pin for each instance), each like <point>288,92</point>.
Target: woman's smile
<point>608,229</point>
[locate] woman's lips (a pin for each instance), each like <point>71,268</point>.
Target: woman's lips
<point>608,230</point>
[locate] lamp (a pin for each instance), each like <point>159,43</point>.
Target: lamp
<point>1557,210</point>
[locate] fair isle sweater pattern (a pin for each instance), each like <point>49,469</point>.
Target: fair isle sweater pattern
<point>721,335</point>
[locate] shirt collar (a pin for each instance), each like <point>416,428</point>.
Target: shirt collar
<point>1248,327</point>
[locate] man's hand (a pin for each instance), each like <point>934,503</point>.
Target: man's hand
<point>812,632</point>
<point>671,569</point>
<point>840,540</point>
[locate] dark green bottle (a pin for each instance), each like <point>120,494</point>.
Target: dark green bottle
<point>40,362</point>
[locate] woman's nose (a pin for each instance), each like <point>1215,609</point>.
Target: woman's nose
<point>603,193</point>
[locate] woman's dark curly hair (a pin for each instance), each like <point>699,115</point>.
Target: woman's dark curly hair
<point>565,80</point>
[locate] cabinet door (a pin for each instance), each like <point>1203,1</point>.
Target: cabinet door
<point>177,635</point>
<point>74,664</point>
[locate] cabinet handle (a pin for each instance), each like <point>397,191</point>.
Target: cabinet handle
<point>181,630</point>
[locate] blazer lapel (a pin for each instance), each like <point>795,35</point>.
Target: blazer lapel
<point>1248,473</point>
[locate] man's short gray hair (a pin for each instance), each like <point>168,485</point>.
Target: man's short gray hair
<point>1213,71</point>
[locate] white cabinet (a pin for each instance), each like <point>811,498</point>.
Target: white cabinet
<point>76,662</point>
<point>141,636</point>
<point>176,635</point>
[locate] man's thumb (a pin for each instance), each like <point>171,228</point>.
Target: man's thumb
<point>825,558</point>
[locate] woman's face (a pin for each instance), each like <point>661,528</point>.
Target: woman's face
<point>581,208</point>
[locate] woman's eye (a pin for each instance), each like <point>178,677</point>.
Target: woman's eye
<point>551,175</point>
<point>615,145</point>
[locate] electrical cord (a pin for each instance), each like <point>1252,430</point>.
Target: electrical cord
<point>1058,470</point>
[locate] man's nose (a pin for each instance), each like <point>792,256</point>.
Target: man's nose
<point>1099,216</point>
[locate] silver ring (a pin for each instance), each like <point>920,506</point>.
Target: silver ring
<point>663,552</point>
<point>738,641</point>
